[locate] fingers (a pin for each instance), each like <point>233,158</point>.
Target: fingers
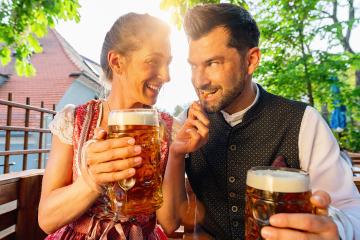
<point>113,154</point>
<point>99,134</point>
<point>102,146</point>
<point>321,201</point>
<point>116,165</point>
<point>199,126</point>
<point>197,113</point>
<point>113,176</point>
<point>303,221</point>
<point>270,233</point>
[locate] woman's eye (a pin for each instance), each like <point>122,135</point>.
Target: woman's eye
<point>153,62</point>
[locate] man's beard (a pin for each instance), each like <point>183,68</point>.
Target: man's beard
<point>227,99</point>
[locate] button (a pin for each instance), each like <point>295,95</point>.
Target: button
<point>234,209</point>
<point>233,147</point>
<point>232,194</point>
<point>235,223</point>
<point>231,179</point>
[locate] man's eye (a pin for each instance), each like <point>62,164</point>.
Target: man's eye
<point>213,63</point>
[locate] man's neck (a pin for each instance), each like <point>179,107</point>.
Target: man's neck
<point>244,100</point>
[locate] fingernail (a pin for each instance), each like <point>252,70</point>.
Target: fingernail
<point>131,171</point>
<point>137,149</point>
<point>274,220</point>
<point>188,130</point>
<point>137,159</point>
<point>266,233</point>
<point>131,141</point>
<point>318,199</point>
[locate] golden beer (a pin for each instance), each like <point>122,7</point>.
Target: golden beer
<point>142,193</point>
<point>274,190</point>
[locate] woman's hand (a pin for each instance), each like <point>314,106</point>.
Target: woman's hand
<point>194,133</point>
<point>113,159</point>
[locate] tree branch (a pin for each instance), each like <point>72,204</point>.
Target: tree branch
<point>350,26</point>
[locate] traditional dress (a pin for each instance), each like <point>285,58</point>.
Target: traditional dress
<point>76,126</point>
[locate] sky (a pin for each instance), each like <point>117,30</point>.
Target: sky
<point>98,16</point>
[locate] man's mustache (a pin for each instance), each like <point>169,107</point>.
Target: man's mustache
<point>208,88</point>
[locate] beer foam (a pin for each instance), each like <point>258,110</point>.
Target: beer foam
<point>278,180</point>
<point>133,117</point>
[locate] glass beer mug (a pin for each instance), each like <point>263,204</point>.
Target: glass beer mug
<point>273,190</point>
<point>140,194</point>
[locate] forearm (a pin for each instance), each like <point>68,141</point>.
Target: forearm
<point>174,193</point>
<point>63,205</point>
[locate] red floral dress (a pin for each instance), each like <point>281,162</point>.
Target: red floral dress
<point>97,222</point>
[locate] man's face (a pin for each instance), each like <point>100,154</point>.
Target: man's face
<point>218,71</point>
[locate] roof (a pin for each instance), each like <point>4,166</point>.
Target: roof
<point>57,67</point>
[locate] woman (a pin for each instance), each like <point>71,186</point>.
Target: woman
<point>134,58</point>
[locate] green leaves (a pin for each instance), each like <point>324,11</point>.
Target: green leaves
<point>5,55</point>
<point>179,7</point>
<point>22,22</point>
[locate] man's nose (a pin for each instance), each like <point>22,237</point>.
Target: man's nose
<point>199,78</point>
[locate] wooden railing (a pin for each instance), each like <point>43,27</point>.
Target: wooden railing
<point>19,200</point>
<point>26,129</point>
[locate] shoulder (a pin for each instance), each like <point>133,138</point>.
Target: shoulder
<point>83,107</point>
<point>283,106</point>
<point>63,123</point>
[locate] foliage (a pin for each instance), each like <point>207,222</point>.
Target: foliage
<point>23,22</point>
<point>291,66</point>
<point>179,7</point>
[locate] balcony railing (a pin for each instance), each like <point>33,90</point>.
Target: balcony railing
<point>9,127</point>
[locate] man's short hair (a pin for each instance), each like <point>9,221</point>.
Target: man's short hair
<point>201,19</point>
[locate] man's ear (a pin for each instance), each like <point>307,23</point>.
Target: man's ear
<point>116,62</point>
<point>253,59</point>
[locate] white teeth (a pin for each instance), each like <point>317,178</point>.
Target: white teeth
<point>207,92</point>
<point>153,87</point>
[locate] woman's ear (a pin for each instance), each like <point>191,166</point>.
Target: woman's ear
<point>253,58</point>
<point>116,62</point>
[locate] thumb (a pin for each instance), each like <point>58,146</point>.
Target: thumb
<point>321,201</point>
<point>99,134</point>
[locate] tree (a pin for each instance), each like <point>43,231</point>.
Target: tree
<point>179,7</point>
<point>23,22</point>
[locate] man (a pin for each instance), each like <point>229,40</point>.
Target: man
<point>250,127</point>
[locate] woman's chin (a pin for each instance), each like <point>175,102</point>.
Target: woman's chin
<point>150,101</point>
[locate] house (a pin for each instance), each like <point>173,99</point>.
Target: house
<point>63,77</point>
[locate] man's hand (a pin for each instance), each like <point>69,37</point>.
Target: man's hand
<point>194,133</point>
<point>303,226</point>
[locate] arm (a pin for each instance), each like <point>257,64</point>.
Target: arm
<point>58,191</point>
<point>192,135</point>
<point>319,155</point>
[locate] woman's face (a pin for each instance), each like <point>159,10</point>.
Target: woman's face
<point>147,69</point>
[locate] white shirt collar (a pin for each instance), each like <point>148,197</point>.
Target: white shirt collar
<point>236,118</point>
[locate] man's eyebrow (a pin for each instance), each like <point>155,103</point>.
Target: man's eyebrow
<point>214,58</point>
<point>217,57</point>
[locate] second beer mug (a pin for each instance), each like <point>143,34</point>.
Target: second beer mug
<point>142,193</point>
<point>274,190</point>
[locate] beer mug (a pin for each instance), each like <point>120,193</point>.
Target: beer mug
<point>140,194</point>
<point>272,190</point>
